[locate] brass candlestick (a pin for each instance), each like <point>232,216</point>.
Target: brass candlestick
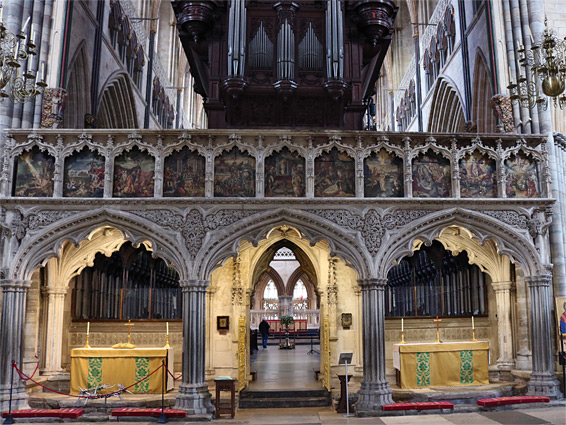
<point>167,343</point>
<point>474,335</point>
<point>402,337</point>
<point>86,344</point>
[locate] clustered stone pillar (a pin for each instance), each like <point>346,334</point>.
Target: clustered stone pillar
<point>543,380</point>
<point>11,341</point>
<point>194,396</point>
<point>374,391</point>
<point>505,336</point>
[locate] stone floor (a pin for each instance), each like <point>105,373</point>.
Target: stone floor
<point>555,415</point>
<point>285,369</point>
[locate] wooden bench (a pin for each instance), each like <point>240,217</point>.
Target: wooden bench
<point>500,401</point>
<point>46,413</point>
<point>422,405</point>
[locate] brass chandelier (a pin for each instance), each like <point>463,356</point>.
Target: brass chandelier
<point>16,51</point>
<point>543,75</point>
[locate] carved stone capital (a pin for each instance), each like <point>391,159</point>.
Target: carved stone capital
<point>539,281</point>
<point>194,285</point>
<point>502,286</point>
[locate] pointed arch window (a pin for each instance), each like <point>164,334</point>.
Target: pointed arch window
<point>270,292</point>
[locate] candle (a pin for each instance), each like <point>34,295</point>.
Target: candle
<point>26,24</point>
<point>402,327</point>
<point>167,328</point>
<point>1,13</point>
<point>32,40</point>
<point>42,74</point>
<point>88,328</point>
<point>473,323</point>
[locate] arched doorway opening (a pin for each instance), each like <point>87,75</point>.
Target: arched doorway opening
<point>285,290</point>
<point>283,274</point>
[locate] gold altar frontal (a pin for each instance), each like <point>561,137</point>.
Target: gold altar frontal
<point>424,365</point>
<point>91,367</point>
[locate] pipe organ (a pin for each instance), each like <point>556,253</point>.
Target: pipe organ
<point>310,64</point>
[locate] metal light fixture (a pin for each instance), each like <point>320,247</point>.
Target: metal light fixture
<point>15,50</point>
<point>544,73</point>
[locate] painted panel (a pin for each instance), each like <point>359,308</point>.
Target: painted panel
<point>477,177</point>
<point>383,175</point>
<point>431,176</point>
<point>33,174</point>
<point>184,174</point>
<point>334,175</point>
<point>84,175</point>
<point>133,175</point>
<point>523,177</point>
<point>285,174</point>
<point>234,174</point>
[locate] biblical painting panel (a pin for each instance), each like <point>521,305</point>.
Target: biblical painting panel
<point>234,174</point>
<point>285,174</point>
<point>383,175</point>
<point>334,174</point>
<point>431,176</point>
<point>33,174</point>
<point>184,174</point>
<point>84,175</point>
<point>523,177</point>
<point>133,174</point>
<point>477,176</point>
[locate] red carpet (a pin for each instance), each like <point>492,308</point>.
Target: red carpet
<point>499,401</point>
<point>425,405</point>
<point>170,413</point>
<point>46,413</point>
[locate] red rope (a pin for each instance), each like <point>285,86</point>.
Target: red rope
<point>173,376</point>
<point>27,378</point>
<point>15,366</point>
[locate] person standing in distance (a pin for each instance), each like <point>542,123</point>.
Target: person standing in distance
<point>264,331</point>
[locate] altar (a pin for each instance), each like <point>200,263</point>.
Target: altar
<point>92,367</point>
<point>422,365</point>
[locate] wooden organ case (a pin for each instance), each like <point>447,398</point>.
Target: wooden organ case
<point>304,64</point>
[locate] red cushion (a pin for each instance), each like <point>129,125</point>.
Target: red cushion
<point>46,413</point>
<point>499,401</point>
<point>423,405</point>
<point>170,413</point>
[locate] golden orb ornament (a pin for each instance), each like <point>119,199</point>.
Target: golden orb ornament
<point>552,86</point>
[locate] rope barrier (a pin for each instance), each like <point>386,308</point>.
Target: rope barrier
<point>173,376</point>
<point>27,378</point>
<point>96,396</point>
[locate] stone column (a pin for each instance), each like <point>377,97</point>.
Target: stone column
<point>524,360</point>
<point>543,380</point>
<point>504,333</point>
<point>194,396</point>
<point>54,336</point>
<point>374,391</point>
<point>11,342</point>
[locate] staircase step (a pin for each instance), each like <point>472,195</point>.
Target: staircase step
<point>283,394</point>
<point>286,402</point>
<point>284,399</point>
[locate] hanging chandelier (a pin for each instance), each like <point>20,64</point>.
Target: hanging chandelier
<point>543,75</point>
<point>16,51</point>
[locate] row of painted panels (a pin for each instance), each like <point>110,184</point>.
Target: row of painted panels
<point>234,175</point>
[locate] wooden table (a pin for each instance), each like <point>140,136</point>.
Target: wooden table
<point>112,366</point>
<point>424,365</point>
<point>225,385</point>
